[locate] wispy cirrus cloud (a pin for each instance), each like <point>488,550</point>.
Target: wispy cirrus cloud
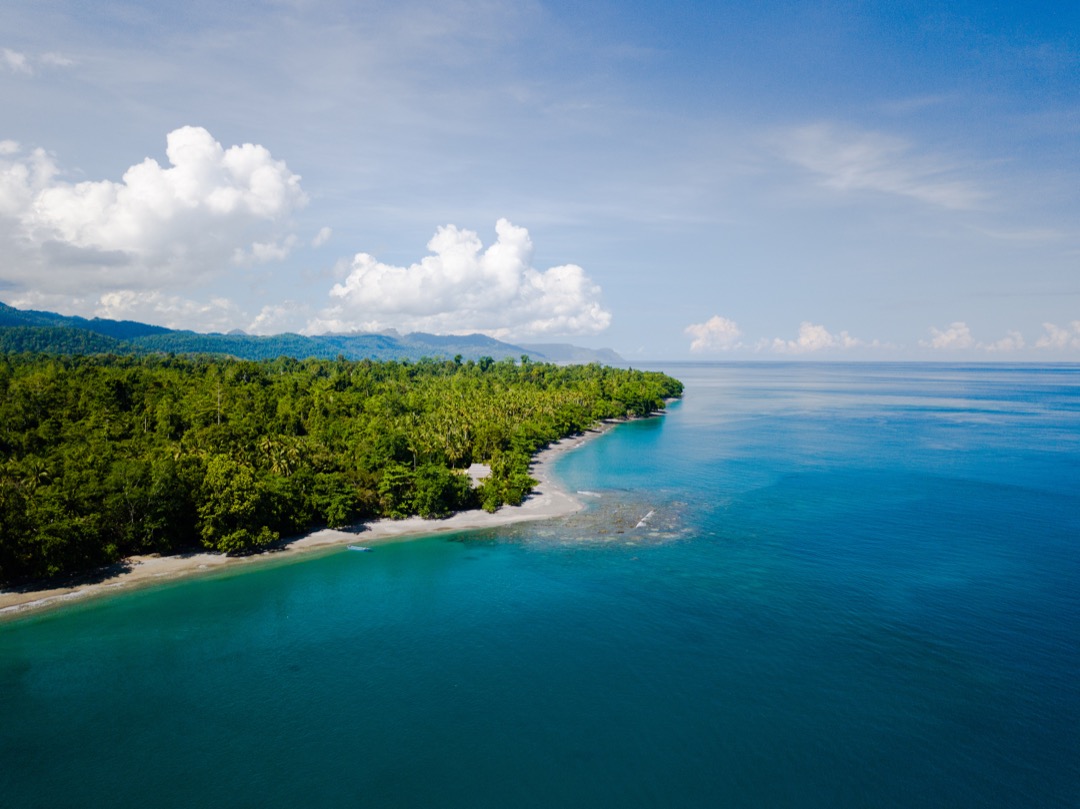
<point>849,160</point>
<point>22,63</point>
<point>53,59</point>
<point>15,61</point>
<point>1025,236</point>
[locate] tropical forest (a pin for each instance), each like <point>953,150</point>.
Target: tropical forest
<point>104,456</point>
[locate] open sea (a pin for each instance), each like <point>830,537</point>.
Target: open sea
<point>807,585</point>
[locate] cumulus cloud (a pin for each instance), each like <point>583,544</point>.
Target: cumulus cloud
<point>846,160</point>
<point>217,314</point>
<point>812,337</point>
<point>956,336</point>
<point>20,179</point>
<point>158,225</point>
<point>279,318</point>
<point>463,288</point>
<point>1012,341</point>
<point>715,334</point>
<point>263,252</point>
<point>173,311</point>
<point>49,302</point>
<point>1056,338</point>
<point>959,337</point>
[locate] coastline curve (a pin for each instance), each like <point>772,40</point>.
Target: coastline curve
<point>548,499</point>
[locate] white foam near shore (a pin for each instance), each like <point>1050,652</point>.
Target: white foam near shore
<point>548,499</point>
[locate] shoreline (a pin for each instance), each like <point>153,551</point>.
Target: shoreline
<point>547,500</point>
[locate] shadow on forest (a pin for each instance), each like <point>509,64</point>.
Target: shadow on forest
<point>95,576</point>
<point>102,574</point>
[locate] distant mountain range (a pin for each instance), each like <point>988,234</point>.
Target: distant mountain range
<point>29,330</point>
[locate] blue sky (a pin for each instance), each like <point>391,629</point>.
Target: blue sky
<point>673,180</point>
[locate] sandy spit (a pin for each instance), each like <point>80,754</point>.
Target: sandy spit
<point>549,499</point>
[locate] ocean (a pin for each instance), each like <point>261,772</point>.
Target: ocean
<point>807,585</point>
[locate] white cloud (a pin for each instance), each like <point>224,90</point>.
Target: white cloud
<point>871,161</point>
<point>54,59</point>
<point>462,288</point>
<point>50,302</point>
<point>322,237</point>
<point>20,178</point>
<point>715,334</point>
<point>173,311</point>
<point>1012,341</point>
<point>812,337</point>
<point>8,147</point>
<point>217,314</point>
<point>958,335</point>
<point>279,318</point>
<point>18,62</point>
<point>157,226</point>
<point>15,62</point>
<point>263,252</point>
<point>1058,338</point>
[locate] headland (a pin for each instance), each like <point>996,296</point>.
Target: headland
<point>548,499</point>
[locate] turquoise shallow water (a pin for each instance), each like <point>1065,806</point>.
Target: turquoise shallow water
<point>859,586</point>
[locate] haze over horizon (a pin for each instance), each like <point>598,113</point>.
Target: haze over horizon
<point>673,180</point>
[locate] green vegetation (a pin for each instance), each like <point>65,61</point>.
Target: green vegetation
<point>48,332</point>
<point>106,456</point>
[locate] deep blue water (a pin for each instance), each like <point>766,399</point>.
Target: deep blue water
<point>859,587</point>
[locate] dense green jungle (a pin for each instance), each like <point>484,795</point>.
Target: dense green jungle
<point>105,456</point>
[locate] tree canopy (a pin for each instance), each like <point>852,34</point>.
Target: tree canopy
<point>106,456</point>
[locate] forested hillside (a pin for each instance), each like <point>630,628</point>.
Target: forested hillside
<point>49,332</point>
<point>107,456</point>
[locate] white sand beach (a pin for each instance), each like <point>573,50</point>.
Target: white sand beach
<point>547,500</point>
